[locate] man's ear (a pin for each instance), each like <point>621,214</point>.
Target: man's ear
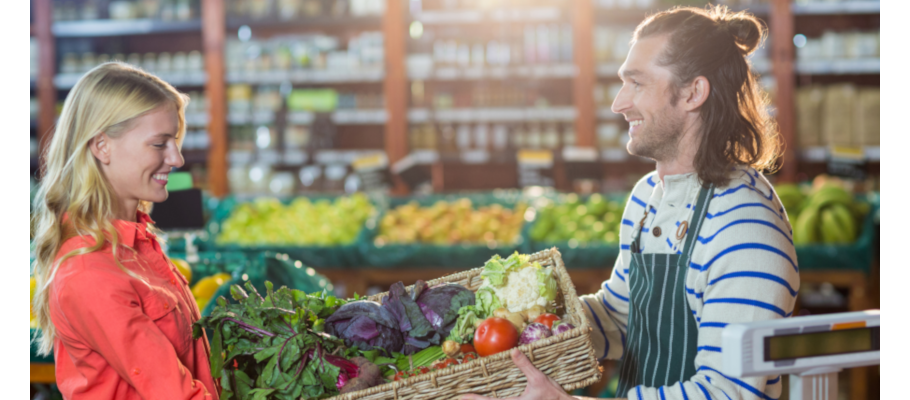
<point>100,146</point>
<point>696,93</point>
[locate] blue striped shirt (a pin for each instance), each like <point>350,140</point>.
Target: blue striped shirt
<point>743,269</point>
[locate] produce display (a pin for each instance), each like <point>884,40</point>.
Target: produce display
<point>266,221</point>
<point>829,214</point>
<point>451,223</point>
<point>290,345</point>
<point>595,220</point>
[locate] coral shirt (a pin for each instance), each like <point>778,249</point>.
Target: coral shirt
<point>119,337</point>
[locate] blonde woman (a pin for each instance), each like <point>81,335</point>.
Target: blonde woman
<point>113,309</point>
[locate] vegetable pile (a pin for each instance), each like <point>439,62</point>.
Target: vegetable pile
<point>293,345</point>
<point>404,322</point>
<point>274,347</point>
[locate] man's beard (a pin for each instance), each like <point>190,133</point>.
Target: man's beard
<point>659,140</point>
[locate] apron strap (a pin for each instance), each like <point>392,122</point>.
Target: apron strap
<point>698,216</point>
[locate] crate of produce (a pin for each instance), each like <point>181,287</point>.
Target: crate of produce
<point>568,358</point>
<point>454,231</point>
<point>320,232</point>
<point>585,230</point>
<point>431,340</point>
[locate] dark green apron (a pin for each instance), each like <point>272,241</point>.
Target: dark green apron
<point>662,335</point>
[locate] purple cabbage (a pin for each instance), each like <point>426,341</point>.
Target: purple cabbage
<point>367,325</point>
<point>426,314</point>
<point>562,327</point>
<point>534,332</point>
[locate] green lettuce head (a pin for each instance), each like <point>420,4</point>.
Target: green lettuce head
<point>546,283</point>
<point>486,302</point>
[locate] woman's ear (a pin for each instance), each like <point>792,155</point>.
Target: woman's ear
<point>100,147</point>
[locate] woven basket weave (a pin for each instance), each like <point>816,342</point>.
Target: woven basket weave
<point>568,358</point>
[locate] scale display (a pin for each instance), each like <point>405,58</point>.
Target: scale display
<point>847,341</point>
<point>810,349</point>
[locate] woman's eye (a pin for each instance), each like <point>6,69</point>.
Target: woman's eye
<point>160,145</point>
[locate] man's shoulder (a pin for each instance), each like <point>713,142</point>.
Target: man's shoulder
<point>749,194</point>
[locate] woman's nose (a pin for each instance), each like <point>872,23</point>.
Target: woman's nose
<point>174,158</point>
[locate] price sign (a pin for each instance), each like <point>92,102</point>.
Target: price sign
<point>847,161</point>
<point>535,168</point>
<point>373,170</point>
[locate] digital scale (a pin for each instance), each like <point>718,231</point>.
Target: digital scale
<point>812,350</point>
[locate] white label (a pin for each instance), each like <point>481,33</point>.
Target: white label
<point>475,156</point>
<point>579,154</point>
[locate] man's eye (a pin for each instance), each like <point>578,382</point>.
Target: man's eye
<point>160,145</point>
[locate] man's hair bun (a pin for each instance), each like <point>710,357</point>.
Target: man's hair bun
<point>746,30</point>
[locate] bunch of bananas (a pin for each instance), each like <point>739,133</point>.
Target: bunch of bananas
<point>829,215</point>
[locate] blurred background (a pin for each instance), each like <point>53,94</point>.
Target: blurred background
<point>345,145</point>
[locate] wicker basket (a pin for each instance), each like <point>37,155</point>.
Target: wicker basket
<point>567,358</point>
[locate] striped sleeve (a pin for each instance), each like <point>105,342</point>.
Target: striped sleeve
<point>608,309</point>
<point>744,270</point>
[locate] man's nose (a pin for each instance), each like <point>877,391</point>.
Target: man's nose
<point>622,102</point>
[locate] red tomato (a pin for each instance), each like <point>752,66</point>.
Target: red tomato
<point>467,348</point>
<point>423,370</point>
<point>469,357</point>
<point>495,335</point>
<point>547,319</point>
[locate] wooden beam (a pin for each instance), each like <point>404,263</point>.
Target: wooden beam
<point>782,51</point>
<point>47,93</point>
<point>395,87</point>
<point>213,32</point>
<point>585,78</point>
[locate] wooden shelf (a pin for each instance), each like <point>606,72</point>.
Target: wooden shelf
<point>306,77</point>
<point>308,23</point>
<point>394,76</point>
<point>501,15</point>
<point>100,28</point>
<point>831,8</point>
<point>474,115</point>
<point>839,67</point>
<point>68,80</point>
<point>477,73</point>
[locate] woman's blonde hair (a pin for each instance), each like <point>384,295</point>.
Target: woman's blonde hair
<point>108,99</point>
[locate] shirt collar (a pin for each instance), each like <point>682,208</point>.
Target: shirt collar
<point>129,231</point>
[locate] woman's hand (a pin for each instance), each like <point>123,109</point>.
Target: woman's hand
<point>540,386</point>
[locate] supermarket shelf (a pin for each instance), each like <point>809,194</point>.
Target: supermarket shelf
<point>256,118</point>
<point>68,80</point>
<point>359,117</point>
<point>820,154</point>
<point>611,69</point>
<point>339,117</point>
<point>839,67</point>
<point>306,76</point>
<point>829,8</point>
<point>566,114</point>
<point>347,22</point>
<point>472,73</point>
<point>98,28</point>
<point>197,119</point>
<point>540,14</point>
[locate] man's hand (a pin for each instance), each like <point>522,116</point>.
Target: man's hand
<point>540,386</point>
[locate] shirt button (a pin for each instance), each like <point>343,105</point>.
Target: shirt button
<point>136,371</point>
<point>173,281</point>
<point>656,231</point>
<point>166,306</point>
